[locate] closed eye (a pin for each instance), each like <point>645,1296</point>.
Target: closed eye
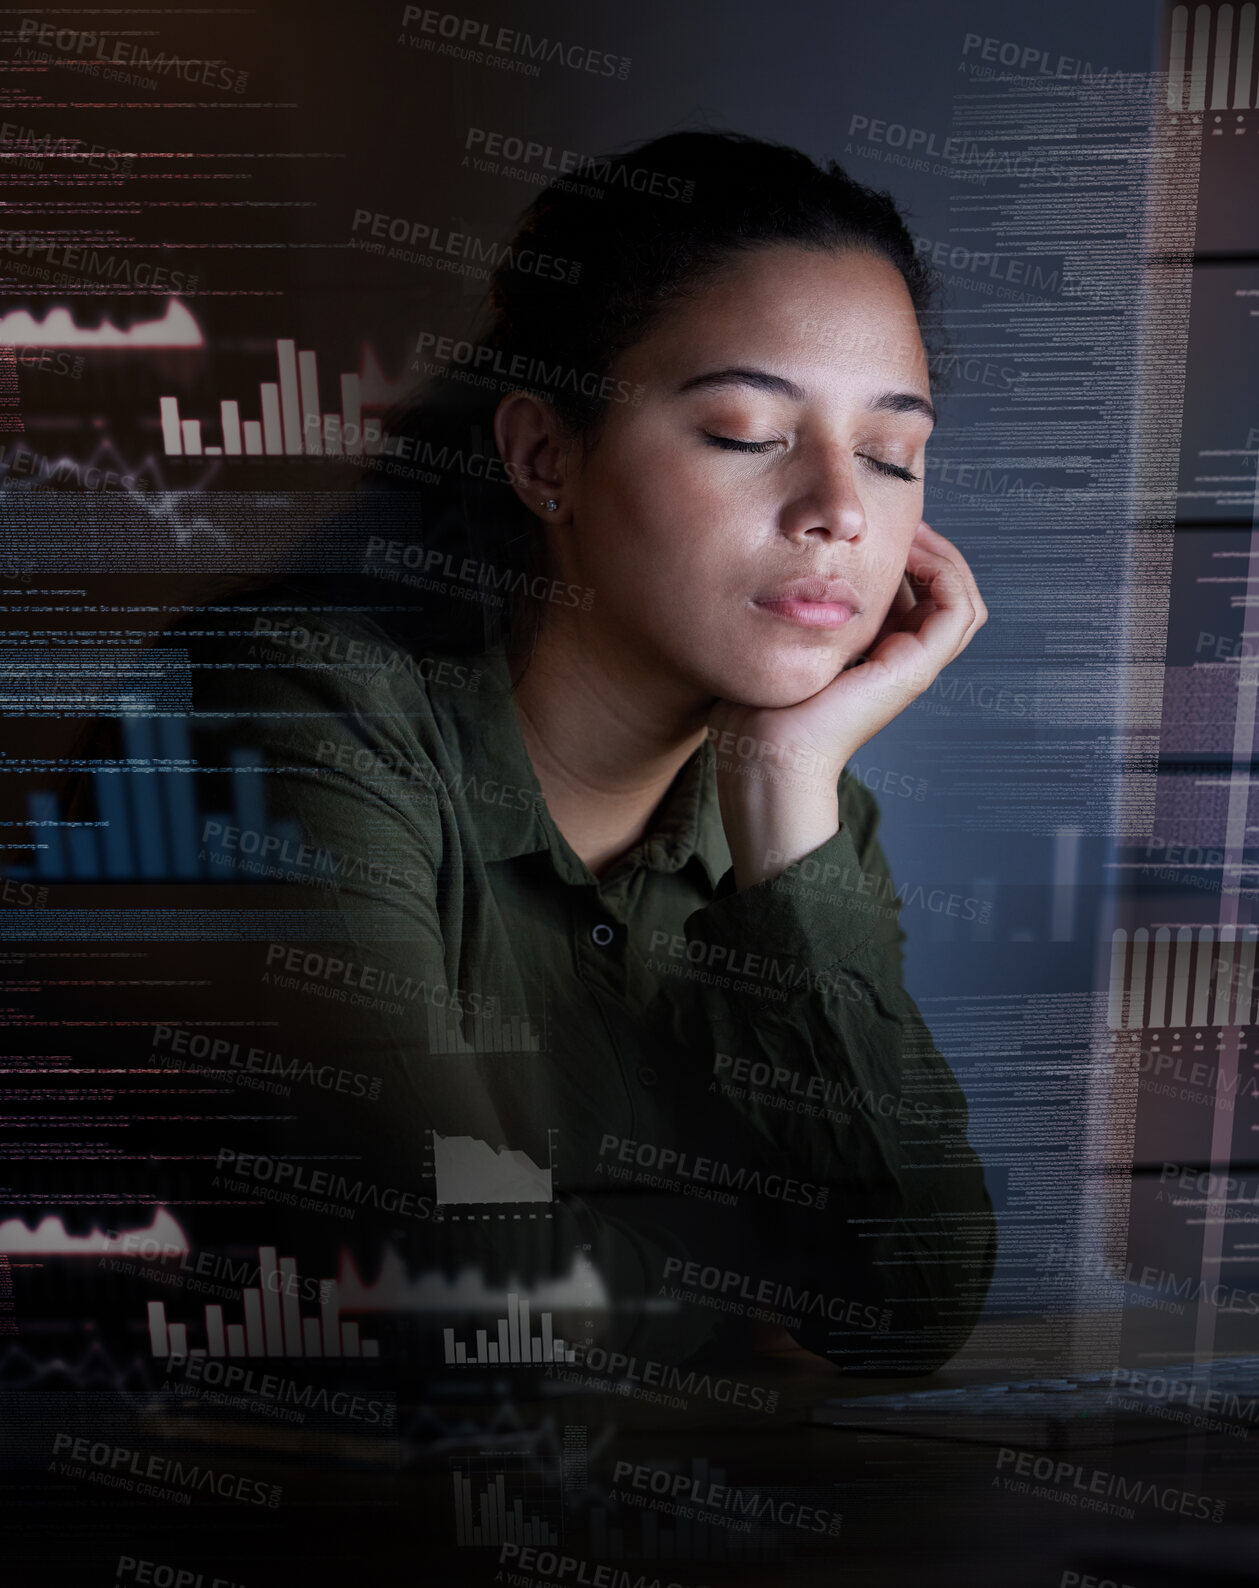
<point>731,444</point>
<point>893,469</point>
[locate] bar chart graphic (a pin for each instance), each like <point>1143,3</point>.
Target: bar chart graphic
<point>498,1504</point>
<point>651,1536</point>
<point>469,1170</point>
<point>147,825</point>
<point>291,419</point>
<point>486,1031</point>
<point>513,1343</point>
<point>1191,63</point>
<point>272,1321</point>
<point>1204,976</point>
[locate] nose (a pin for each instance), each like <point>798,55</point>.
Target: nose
<point>825,503</point>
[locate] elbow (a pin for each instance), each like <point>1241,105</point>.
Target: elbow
<point>933,1302</point>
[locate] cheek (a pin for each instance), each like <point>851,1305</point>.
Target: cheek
<point>666,512</point>
<point>892,535</point>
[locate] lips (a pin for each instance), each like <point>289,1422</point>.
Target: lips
<point>812,603</point>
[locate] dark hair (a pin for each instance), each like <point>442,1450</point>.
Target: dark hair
<point>597,257</point>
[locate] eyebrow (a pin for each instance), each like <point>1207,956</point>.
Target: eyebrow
<point>903,402</point>
<point>895,402</point>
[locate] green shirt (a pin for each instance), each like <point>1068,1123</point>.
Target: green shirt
<point>741,1113</point>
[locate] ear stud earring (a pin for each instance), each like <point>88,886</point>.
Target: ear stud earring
<point>549,503</point>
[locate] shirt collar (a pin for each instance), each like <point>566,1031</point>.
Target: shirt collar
<point>488,742</point>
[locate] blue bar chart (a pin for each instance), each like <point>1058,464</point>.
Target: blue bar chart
<point>147,825</point>
<point>272,1324</point>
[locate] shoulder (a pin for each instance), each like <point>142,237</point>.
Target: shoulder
<point>331,698</point>
<point>281,665</point>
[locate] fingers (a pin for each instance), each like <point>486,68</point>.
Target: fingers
<point>948,614</point>
<point>903,603</point>
<point>951,583</point>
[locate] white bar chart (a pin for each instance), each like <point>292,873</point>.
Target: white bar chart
<point>291,422</point>
<point>489,1517</point>
<point>513,1341</point>
<point>273,1325</point>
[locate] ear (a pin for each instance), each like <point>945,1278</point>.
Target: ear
<point>535,452</point>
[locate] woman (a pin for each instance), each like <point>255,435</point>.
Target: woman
<point>607,896</point>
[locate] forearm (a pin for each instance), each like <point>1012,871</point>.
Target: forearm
<point>769,827</point>
<point>824,1055</point>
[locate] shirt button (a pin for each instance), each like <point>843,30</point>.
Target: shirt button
<point>647,1075</point>
<point>602,934</point>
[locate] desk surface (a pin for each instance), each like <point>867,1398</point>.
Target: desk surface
<point>612,1471</point>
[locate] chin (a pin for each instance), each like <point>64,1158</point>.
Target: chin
<point>777,681</point>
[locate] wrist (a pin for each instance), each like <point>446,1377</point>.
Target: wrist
<point>768,830</point>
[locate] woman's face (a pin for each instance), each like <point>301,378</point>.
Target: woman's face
<point>745,526</point>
